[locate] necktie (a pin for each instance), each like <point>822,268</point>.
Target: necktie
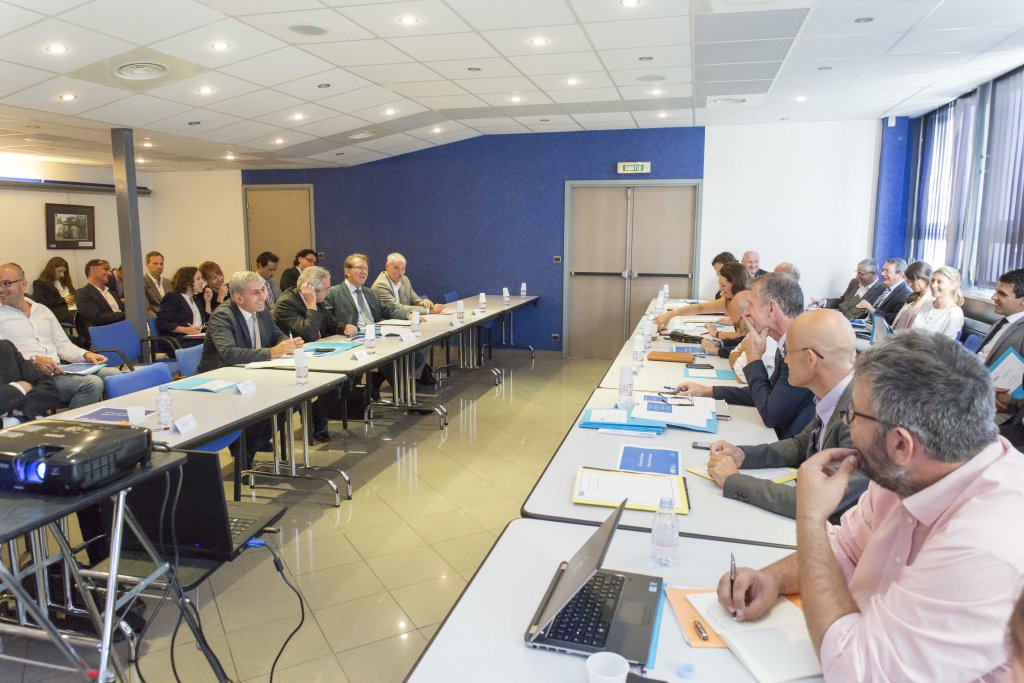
<point>254,332</point>
<point>993,332</point>
<point>816,436</point>
<point>883,297</point>
<point>364,310</point>
<point>270,292</point>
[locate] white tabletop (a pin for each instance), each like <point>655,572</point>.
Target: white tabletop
<point>711,515</point>
<point>482,637</point>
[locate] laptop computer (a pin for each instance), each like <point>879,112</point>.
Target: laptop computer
<point>207,524</point>
<point>587,609</point>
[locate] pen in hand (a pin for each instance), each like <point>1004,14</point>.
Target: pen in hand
<point>732,578</point>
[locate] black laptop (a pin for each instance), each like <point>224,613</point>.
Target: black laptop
<point>207,525</point>
<point>587,609</point>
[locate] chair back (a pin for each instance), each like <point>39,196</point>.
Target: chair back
<point>451,296</point>
<point>188,359</point>
<point>120,336</point>
<point>143,377</point>
<point>973,343</point>
<point>151,323</point>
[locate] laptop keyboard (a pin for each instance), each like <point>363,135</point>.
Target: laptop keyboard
<point>238,525</point>
<point>586,618</point>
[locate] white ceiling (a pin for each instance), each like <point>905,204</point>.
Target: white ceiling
<point>466,68</point>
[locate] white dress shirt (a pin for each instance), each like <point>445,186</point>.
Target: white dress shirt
<point>38,334</point>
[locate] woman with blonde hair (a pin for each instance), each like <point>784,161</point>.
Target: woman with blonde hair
<point>943,314</point>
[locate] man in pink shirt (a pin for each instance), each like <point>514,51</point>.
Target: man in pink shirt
<point>918,582</point>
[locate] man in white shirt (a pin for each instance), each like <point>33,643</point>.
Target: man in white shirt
<point>394,288</point>
<point>96,305</point>
<point>35,332</point>
<point>266,267</point>
<point>155,285</point>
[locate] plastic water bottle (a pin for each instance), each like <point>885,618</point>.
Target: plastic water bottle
<point>625,387</point>
<point>665,535</point>
<point>505,298</point>
<point>370,340</point>
<point>164,408</point>
<point>301,367</point>
<point>483,301</point>
<point>460,310</point>
<point>659,305</point>
<point>522,291</point>
<point>639,347</point>
<point>651,332</point>
<point>414,325</point>
<point>664,288</point>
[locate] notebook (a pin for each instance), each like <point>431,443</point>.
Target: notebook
<point>587,609</point>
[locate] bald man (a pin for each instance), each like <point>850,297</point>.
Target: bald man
<point>820,358</point>
<point>752,262</point>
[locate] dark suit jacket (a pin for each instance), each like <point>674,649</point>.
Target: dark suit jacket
<point>174,312</point>
<point>785,408</point>
<point>780,498</point>
<point>289,278</point>
<point>227,338</point>
<point>1013,338</point>
<point>94,309</point>
<point>343,307</point>
<point>45,293</point>
<point>292,316</point>
<point>847,303</point>
<point>42,397</point>
<point>894,302</point>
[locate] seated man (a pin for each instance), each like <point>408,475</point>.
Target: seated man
<point>864,285</point>
<point>394,288</point>
<point>895,294</point>
<point>751,260</point>
<point>788,268</point>
<point>34,330</point>
<point>775,300</point>
<point>301,312</point>
<point>266,266</point>
<point>821,356</point>
<point>931,544</point>
<point>26,392</point>
<point>241,331</point>
<point>304,258</point>
<point>96,305</point>
<point>154,284</point>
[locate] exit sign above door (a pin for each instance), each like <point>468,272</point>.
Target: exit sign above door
<point>634,167</point>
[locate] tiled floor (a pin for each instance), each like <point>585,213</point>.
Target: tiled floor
<point>380,572</point>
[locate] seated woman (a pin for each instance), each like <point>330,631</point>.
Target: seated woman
<point>733,278</point>
<point>919,278</point>
<point>53,289</point>
<point>215,292</point>
<point>179,315</point>
<point>943,314</point>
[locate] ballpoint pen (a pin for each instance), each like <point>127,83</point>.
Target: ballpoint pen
<point>700,629</point>
<point>732,577</point>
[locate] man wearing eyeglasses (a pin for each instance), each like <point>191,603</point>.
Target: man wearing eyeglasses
<point>918,582</point>
<point>821,353</point>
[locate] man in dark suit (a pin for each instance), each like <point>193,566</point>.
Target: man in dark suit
<point>751,260</point>
<point>303,259</point>
<point>26,392</point>
<point>821,355</point>
<point>775,300</point>
<point>242,331</point>
<point>1007,333</point>
<point>266,266</point>
<point>154,284</point>
<point>864,286</point>
<point>895,294</point>
<point>96,305</point>
<point>354,304</point>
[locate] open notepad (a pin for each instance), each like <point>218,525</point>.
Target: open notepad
<point>607,488</point>
<point>776,648</point>
<point>780,475</point>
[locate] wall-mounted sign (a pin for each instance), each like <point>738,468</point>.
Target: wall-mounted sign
<point>634,167</point>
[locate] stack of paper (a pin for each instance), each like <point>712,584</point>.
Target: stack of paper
<point>202,384</point>
<point>82,368</point>
<point>607,488</point>
<point>699,416</point>
<point>619,420</point>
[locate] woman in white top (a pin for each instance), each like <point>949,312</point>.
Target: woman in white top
<point>944,314</point>
<point>919,278</point>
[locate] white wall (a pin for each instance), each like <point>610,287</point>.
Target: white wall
<point>800,192</point>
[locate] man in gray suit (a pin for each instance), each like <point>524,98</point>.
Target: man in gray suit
<point>266,266</point>
<point>154,283</point>
<point>393,287</point>
<point>865,286</point>
<point>1007,332</point>
<point>354,304</point>
<point>821,354</point>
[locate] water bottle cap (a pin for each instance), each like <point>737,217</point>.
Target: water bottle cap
<point>163,387</point>
<point>666,502</point>
<point>686,670</point>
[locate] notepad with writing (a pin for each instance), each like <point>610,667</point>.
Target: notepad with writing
<point>607,488</point>
<point>776,648</point>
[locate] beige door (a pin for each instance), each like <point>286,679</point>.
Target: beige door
<point>279,220</point>
<point>625,243</point>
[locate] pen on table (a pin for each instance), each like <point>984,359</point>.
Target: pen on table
<point>700,629</point>
<point>732,577</point>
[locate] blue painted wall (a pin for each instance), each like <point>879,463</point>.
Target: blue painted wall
<point>895,185</point>
<point>480,214</point>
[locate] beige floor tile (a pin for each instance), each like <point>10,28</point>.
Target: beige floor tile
<point>494,516</point>
<point>191,663</point>
<point>253,570</point>
<point>394,489</point>
<point>466,553</point>
<point>384,539</point>
<point>353,516</point>
<point>428,602</point>
<point>409,566</point>
<point>312,555</point>
<point>455,475</point>
<point>359,622</point>
<point>385,661</point>
<point>429,631</point>
<point>338,584</point>
<point>421,505</point>
<point>492,466</point>
<point>445,526</point>
<point>516,487</point>
<point>323,670</point>
<point>244,608</point>
<point>472,495</point>
<point>254,648</point>
<point>158,636</point>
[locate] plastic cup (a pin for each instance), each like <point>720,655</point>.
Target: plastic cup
<point>136,415</point>
<point>607,667</point>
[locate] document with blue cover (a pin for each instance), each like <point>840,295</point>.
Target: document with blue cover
<point>619,420</point>
<point>649,460</point>
<point>696,413</point>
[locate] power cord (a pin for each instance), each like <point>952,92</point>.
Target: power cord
<point>279,565</point>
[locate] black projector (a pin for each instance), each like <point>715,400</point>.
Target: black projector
<point>60,456</point>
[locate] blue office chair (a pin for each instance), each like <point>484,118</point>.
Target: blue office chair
<point>188,360</point>
<point>144,377</point>
<point>972,343</point>
<point>121,340</point>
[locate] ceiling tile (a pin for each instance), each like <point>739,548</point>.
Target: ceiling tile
<point>339,154</point>
<point>12,18</point>
<point>197,45</point>
<point>314,146</point>
<point>809,87</point>
<point>720,88</point>
<point>334,27</point>
<point>242,131</point>
<point>409,147</point>
<point>255,104</point>
<point>909,64</point>
<point>311,113</point>
<point>731,72</point>
<point>612,35</point>
<point>612,10</point>
<point>743,51</point>
<point>46,96</point>
<point>553,119</point>
<point>843,47</point>
<point>382,144</point>
<point>610,125</point>
<point>187,90</point>
<point>676,74</point>
<point>562,62</point>
<point>1014,42</point>
<point>886,17</point>
<point>289,137</point>
<point>665,116</point>
<point>647,92</point>
<point>135,111</point>
<point>427,89</point>
<point>609,117</point>
<point>332,126</point>
<point>950,40</point>
<point>504,130</point>
<point>451,102</point>
<point>588,95</point>
<point>394,73</point>
<point>456,136</point>
<point>240,7</point>
<point>278,66</point>
<point>14,77</point>
<point>359,52</point>
<point>678,122</point>
<point>208,120</point>
<point>490,67</point>
<point>28,46</point>
<point>378,113</point>
<point>635,105</point>
<point>453,46</point>
<point>365,158</point>
<point>636,57</point>
<point>359,99</point>
<point>958,13</point>
<point>525,99</point>
<point>443,128</point>
<point>486,14</point>
<point>766,25</point>
<point>432,16</point>
<point>516,41</point>
<point>595,79</point>
<point>833,68</point>
<point>143,22</point>
<point>555,128</point>
<point>47,7</point>
<point>336,81</point>
<point>495,121</point>
<point>496,85</point>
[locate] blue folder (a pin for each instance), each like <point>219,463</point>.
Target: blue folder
<point>719,374</point>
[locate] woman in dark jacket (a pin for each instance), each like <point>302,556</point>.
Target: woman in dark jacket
<point>179,316</point>
<point>53,289</point>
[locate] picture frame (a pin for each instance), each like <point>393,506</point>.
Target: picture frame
<point>69,226</point>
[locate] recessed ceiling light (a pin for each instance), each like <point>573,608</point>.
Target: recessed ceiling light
<point>194,123</point>
<point>515,98</point>
<point>56,48</point>
<point>221,45</point>
<point>544,120</point>
<point>863,20</point>
<point>307,29</point>
<point>205,90</point>
<point>361,135</point>
<point>539,41</point>
<point>629,3</point>
<point>67,97</point>
<point>662,115</point>
<point>297,116</point>
<point>656,91</point>
<point>324,85</point>
<point>572,81</point>
<point>473,68</point>
<point>278,141</point>
<point>650,78</point>
<point>800,98</point>
<point>147,144</point>
<point>389,112</point>
<point>645,59</point>
<point>408,20</point>
<point>727,100</point>
<point>229,156</point>
<point>783,118</point>
<point>437,130</point>
<point>140,160</point>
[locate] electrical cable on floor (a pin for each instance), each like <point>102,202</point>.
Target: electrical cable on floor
<point>167,589</point>
<point>279,565</point>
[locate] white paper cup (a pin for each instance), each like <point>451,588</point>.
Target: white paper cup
<point>607,667</point>
<point>136,415</point>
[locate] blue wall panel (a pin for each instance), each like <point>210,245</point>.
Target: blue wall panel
<point>480,214</point>
<point>894,189</point>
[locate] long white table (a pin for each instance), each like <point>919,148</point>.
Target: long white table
<point>481,639</point>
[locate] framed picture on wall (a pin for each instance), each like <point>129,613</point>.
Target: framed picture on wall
<point>70,227</point>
